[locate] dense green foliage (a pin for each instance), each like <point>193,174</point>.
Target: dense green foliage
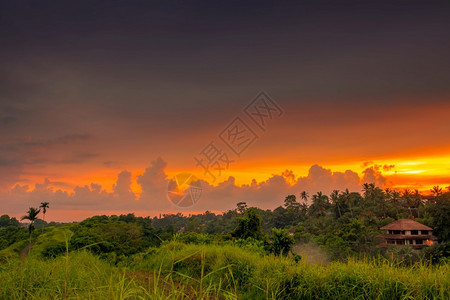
<point>243,253</point>
<point>343,224</point>
<point>248,226</point>
<point>281,242</point>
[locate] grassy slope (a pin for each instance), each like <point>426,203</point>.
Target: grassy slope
<point>52,236</point>
<point>49,237</point>
<point>181,271</point>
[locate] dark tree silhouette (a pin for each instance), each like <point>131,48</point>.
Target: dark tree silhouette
<point>436,190</point>
<point>320,204</point>
<point>249,226</point>
<point>304,195</point>
<point>348,200</point>
<point>335,200</point>
<point>31,216</point>
<point>241,207</point>
<point>44,206</point>
<point>290,202</point>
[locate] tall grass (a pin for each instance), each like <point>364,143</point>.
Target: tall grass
<point>179,271</point>
<point>80,275</point>
<point>249,275</point>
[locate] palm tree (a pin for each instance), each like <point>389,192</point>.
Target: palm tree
<point>44,206</point>
<point>388,193</point>
<point>418,201</point>
<point>395,200</point>
<point>407,199</point>
<point>348,200</point>
<point>366,188</point>
<point>290,202</point>
<point>304,208</point>
<point>320,203</point>
<point>369,193</point>
<point>304,195</point>
<point>436,190</point>
<point>335,200</point>
<point>31,216</point>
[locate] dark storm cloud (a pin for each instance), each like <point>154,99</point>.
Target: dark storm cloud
<point>78,158</point>
<point>16,154</point>
<point>111,164</point>
<point>31,144</point>
<point>9,116</point>
<point>297,50</point>
<point>123,70</point>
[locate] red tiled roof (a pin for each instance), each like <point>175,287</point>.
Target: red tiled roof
<point>405,224</point>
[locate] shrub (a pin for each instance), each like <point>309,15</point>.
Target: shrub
<point>281,242</point>
<point>436,253</point>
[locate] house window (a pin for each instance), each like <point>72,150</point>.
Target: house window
<point>410,242</point>
<point>390,231</point>
<point>396,231</point>
<point>414,232</point>
<point>424,231</point>
<point>419,242</point>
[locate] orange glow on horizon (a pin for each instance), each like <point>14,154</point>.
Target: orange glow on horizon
<point>422,173</point>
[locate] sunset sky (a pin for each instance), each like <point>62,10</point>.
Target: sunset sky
<point>102,102</point>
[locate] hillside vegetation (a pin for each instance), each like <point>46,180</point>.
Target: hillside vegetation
<point>245,253</point>
<point>180,271</point>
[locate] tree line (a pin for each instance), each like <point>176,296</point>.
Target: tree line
<point>343,223</point>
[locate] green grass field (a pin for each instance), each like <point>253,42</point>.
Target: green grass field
<point>179,271</point>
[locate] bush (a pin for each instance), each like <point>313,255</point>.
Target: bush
<point>54,250</point>
<point>404,255</point>
<point>194,238</point>
<point>281,242</point>
<point>436,253</point>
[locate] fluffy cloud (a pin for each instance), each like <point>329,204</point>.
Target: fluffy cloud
<point>154,183</point>
<point>265,194</point>
<point>373,175</point>
<point>122,188</point>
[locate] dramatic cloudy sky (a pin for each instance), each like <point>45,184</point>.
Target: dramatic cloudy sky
<point>102,102</point>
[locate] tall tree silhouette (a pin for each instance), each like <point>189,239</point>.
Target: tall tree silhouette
<point>436,190</point>
<point>335,200</point>
<point>241,207</point>
<point>304,206</point>
<point>44,206</point>
<point>249,226</point>
<point>418,201</point>
<point>290,202</point>
<point>348,200</point>
<point>304,195</point>
<point>320,204</point>
<point>407,199</point>
<point>31,216</point>
<point>393,197</point>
